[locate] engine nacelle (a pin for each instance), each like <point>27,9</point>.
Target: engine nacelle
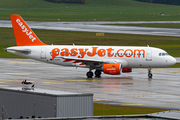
<point>126,70</point>
<point>112,68</point>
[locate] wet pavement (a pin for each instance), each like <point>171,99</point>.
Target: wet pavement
<point>130,89</point>
<point>104,27</point>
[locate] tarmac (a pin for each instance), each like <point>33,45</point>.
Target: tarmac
<point>130,89</point>
<point>127,89</point>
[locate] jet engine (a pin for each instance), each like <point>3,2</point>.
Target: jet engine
<point>112,68</point>
<point>126,70</point>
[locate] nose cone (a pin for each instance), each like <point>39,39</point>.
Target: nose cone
<point>172,61</point>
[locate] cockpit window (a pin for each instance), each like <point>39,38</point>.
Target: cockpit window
<point>163,54</point>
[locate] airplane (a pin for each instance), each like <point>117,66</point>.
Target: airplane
<point>112,60</point>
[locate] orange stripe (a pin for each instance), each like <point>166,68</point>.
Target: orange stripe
<point>68,60</point>
<point>78,61</point>
<point>83,64</point>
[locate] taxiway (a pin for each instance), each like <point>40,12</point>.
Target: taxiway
<point>105,27</point>
<point>132,89</point>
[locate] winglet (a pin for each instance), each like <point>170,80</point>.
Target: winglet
<point>23,34</point>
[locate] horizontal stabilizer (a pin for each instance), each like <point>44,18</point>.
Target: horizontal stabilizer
<point>25,51</point>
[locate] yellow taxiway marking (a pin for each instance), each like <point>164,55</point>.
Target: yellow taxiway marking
<point>3,85</point>
<point>81,80</point>
<point>56,83</point>
<point>13,80</point>
<point>131,104</point>
<point>97,100</point>
<point>16,73</point>
<point>8,86</point>
<point>31,63</point>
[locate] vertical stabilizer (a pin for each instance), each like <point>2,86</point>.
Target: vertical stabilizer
<point>23,34</point>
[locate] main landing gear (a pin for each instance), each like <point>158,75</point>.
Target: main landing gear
<point>149,73</point>
<point>97,73</point>
<point>90,74</point>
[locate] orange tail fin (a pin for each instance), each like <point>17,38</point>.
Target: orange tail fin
<point>23,34</point>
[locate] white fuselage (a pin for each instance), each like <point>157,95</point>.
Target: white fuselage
<point>132,57</point>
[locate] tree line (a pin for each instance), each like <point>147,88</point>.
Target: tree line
<point>68,1</point>
<point>170,2</point>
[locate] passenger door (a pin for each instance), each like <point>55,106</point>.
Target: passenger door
<point>149,55</point>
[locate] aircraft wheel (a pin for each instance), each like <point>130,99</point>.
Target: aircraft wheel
<point>98,73</point>
<point>89,74</point>
<point>150,75</point>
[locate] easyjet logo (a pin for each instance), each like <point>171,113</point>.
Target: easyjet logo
<point>95,51</point>
<point>25,30</point>
<point>111,69</point>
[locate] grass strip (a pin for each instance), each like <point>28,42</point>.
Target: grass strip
<point>105,109</point>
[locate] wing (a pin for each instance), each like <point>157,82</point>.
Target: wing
<point>94,63</point>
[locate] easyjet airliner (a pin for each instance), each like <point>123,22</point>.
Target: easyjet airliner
<point>111,60</point>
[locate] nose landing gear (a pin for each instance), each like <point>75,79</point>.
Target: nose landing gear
<point>149,73</point>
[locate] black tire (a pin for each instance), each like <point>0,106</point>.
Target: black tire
<point>89,74</point>
<point>97,73</point>
<point>150,75</point>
